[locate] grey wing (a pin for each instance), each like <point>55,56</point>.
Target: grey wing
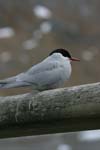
<point>7,80</point>
<point>46,64</point>
<point>45,75</point>
<point>13,78</point>
<point>12,82</point>
<point>26,78</point>
<point>46,79</point>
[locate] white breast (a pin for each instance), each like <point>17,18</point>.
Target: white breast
<point>64,64</point>
<point>66,69</point>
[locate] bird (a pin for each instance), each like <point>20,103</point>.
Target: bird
<point>51,73</point>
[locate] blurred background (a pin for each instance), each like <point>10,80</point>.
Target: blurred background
<point>29,30</point>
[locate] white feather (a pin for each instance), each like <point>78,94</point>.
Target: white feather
<point>51,73</point>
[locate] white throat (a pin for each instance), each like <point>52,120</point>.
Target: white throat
<point>63,62</point>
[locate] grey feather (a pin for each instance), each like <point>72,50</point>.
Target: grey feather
<point>48,74</point>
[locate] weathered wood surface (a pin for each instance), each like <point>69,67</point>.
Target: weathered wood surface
<point>54,111</point>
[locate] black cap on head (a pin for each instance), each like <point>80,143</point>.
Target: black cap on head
<point>62,51</point>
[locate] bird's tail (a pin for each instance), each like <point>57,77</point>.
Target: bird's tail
<point>12,83</point>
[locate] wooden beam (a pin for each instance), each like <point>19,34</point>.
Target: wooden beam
<point>53,111</point>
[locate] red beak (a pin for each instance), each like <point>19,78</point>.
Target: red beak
<point>74,59</point>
